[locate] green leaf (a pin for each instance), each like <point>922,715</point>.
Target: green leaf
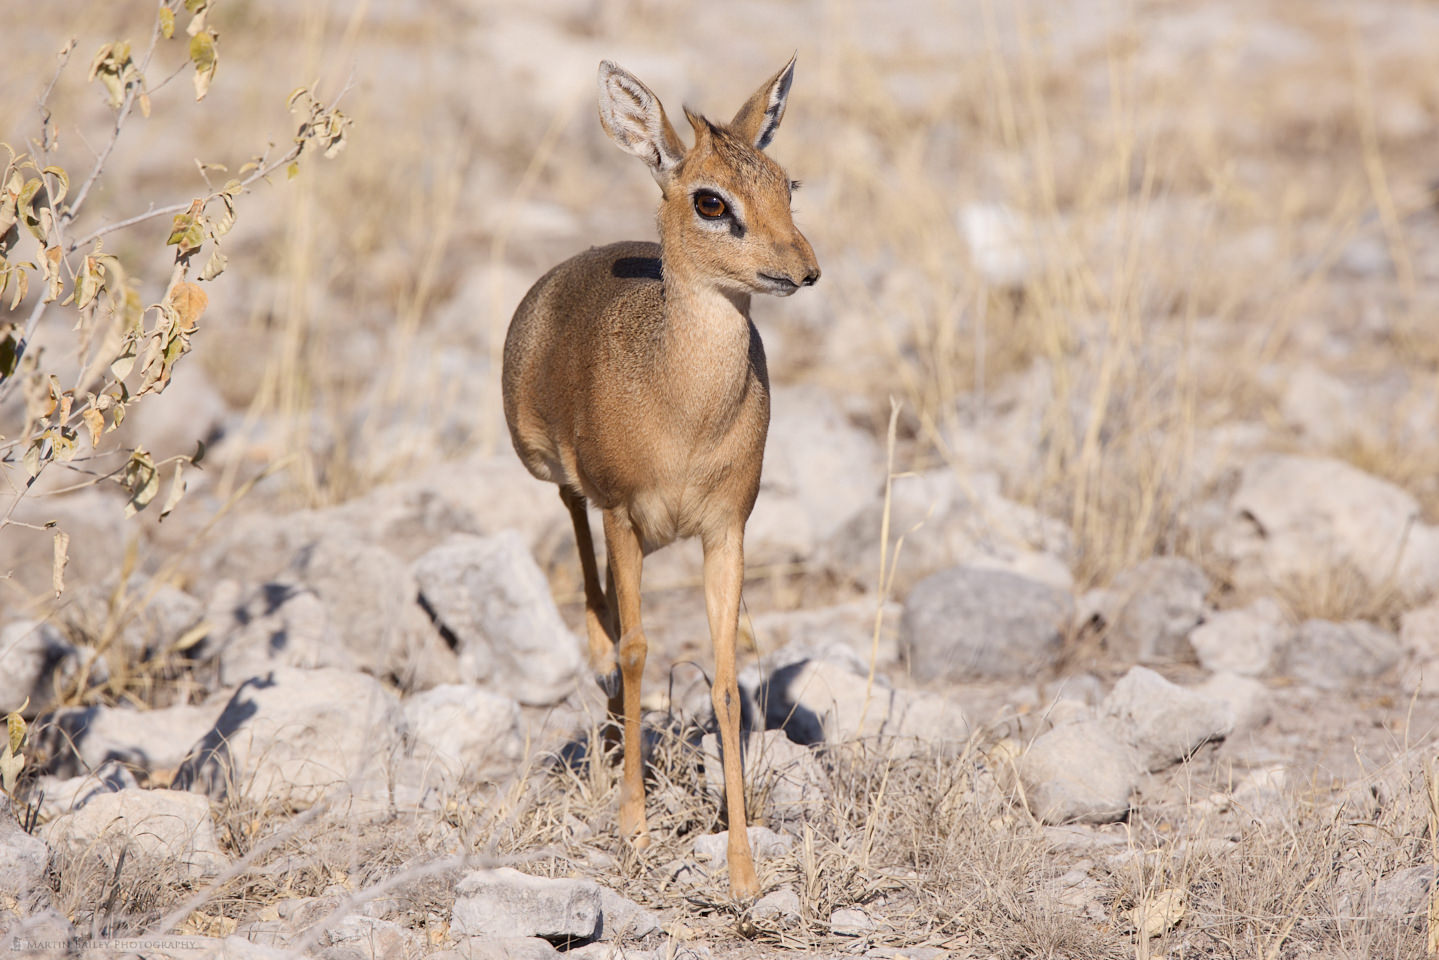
<point>205,58</point>
<point>188,230</point>
<point>9,355</point>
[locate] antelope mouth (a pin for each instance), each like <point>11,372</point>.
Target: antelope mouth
<point>779,286</point>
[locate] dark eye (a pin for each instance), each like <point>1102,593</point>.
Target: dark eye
<point>710,206</point>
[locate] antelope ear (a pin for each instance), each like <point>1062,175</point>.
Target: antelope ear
<point>759,118</point>
<point>634,118</point>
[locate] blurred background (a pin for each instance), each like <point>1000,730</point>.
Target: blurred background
<point>1101,252</point>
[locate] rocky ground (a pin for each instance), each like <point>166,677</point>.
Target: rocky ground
<point>1123,641</point>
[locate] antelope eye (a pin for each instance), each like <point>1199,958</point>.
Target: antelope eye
<point>710,206</point>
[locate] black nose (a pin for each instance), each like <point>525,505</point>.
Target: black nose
<point>811,277</point>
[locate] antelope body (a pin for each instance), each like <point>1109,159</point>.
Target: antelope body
<point>634,379</point>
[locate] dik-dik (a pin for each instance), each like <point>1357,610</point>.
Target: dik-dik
<point>635,380</point>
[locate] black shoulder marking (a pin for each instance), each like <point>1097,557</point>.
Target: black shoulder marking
<point>637,268</point>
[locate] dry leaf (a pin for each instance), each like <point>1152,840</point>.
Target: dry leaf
<point>188,301</point>
<point>177,490</point>
<point>95,423</point>
<point>61,557</point>
<point>1159,913</point>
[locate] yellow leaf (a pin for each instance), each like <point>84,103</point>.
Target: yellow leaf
<point>88,283</point>
<point>167,22</point>
<point>95,423</point>
<point>59,174</point>
<point>15,726</point>
<point>22,287</point>
<point>205,58</point>
<point>62,442</point>
<point>50,266</point>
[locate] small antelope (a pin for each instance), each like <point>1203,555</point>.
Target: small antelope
<point>633,378</point>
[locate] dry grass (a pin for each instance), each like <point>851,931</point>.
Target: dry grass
<point>1186,240</point>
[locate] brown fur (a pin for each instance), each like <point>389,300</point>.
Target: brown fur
<point>634,379</point>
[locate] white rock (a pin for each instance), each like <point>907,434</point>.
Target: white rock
<point>277,624</point>
<point>42,936</point>
<point>1333,656</point>
<point>168,826</point>
<point>849,922</point>
<point>1323,408</point>
<point>462,732</point>
<point>292,736</point>
<point>1242,641</point>
<point>787,781</point>
<point>1419,638</point>
<point>193,411</point>
<point>851,624</point>
<point>1248,699</point>
<point>493,600</point>
<point>764,843</point>
<point>818,701</point>
<point>25,858</point>
<point>70,794</point>
<point>367,938</point>
<point>369,599</point>
<point>1163,721</point>
<point>1153,607</point>
<point>968,623</point>
<point>37,657</point>
<point>946,520</point>
<point>1080,772</point>
<point>780,907</point>
<point>1299,521</point>
<point>86,738</point>
<point>505,948</point>
<point>1001,244</point>
<point>819,470</point>
<point>508,903</point>
<point>623,919</point>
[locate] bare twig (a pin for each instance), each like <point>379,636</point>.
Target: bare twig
<point>123,114</point>
<point>182,206</point>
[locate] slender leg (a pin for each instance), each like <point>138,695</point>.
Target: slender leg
<point>626,560</point>
<point>598,616</point>
<point>724,574</point>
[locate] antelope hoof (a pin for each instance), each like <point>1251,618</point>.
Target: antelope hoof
<point>609,681</point>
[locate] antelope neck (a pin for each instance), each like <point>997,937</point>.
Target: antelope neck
<point>705,339</point>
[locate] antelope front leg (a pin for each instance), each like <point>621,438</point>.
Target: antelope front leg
<point>724,575</point>
<point>626,559</point>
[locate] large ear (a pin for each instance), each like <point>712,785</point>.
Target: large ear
<point>759,118</point>
<point>634,119</point>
